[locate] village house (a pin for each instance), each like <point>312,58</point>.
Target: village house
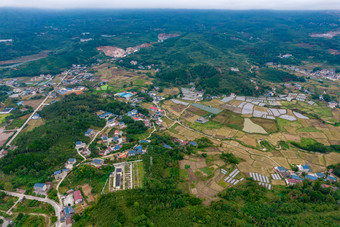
<point>122,125</point>
<point>40,188</point>
<point>97,162</point>
<point>112,123</point>
<point>58,175</point>
<point>89,132</point>
<point>68,222</point>
<point>71,161</point>
<point>311,177</point>
<point>332,104</point>
<point>78,198</point>
<point>202,120</point>
<point>331,178</point>
<point>116,148</point>
<point>144,141</point>
<point>304,168</point>
<point>6,110</point>
<point>80,144</point>
<point>193,143</point>
<point>36,116</point>
<point>167,146</point>
<point>132,153</point>
<point>67,212</point>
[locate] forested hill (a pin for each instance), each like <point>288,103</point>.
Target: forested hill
<point>217,37</point>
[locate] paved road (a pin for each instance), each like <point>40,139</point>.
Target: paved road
<point>57,188</point>
<point>56,207</point>
<point>5,223</point>
<point>10,209</point>
<point>34,112</point>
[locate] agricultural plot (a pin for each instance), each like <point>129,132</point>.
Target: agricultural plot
<point>169,91</point>
<point>3,117</point>
<point>251,127</point>
<point>204,177</point>
<point>262,180</point>
<point>34,103</point>
<point>197,111</point>
<point>268,125</point>
<point>117,77</point>
<point>230,119</point>
<point>323,112</point>
<point>255,107</point>
<point>232,178</point>
<point>209,109</point>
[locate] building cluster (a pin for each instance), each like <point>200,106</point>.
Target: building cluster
<point>321,74</point>
<point>76,75</point>
<point>191,94</point>
<point>113,143</point>
<point>71,199</point>
<point>43,188</point>
<point>76,90</point>
<point>304,172</point>
<point>80,146</point>
<point>35,86</point>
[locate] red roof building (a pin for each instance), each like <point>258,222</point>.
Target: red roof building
<point>77,196</point>
<point>153,108</point>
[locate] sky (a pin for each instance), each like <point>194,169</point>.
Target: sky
<point>178,4</point>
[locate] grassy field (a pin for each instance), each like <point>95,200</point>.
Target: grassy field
<point>269,125</point>
<point>308,129</point>
<point>320,111</point>
<point>6,202</point>
<point>222,183</point>
<point>183,173</point>
<point>173,128</point>
<point>306,141</point>
<point>33,124</point>
<point>3,117</point>
<point>31,220</point>
<point>208,170</point>
<point>34,206</point>
<point>208,125</point>
<point>96,178</point>
<point>140,174</point>
<point>282,123</point>
<point>198,111</point>
<point>105,87</point>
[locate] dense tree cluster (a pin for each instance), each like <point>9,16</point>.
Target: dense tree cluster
<point>213,82</point>
<point>275,75</point>
<point>316,146</point>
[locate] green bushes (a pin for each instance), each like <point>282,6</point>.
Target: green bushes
<point>279,76</point>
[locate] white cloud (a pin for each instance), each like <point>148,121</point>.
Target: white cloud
<point>192,4</point>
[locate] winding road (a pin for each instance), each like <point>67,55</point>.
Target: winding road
<point>56,207</point>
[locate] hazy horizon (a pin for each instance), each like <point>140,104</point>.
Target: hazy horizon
<point>177,4</point>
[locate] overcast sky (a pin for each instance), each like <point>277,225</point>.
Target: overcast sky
<point>191,4</point>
